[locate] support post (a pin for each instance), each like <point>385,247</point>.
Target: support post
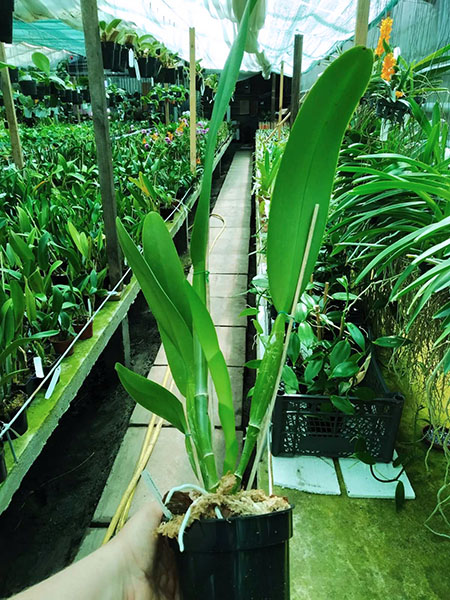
<point>296,76</point>
<point>166,107</point>
<point>192,101</point>
<point>280,103</point>
<point>362,22</point>
<point>10,110</point>
<point>273,98</point>
<point>89,13</point>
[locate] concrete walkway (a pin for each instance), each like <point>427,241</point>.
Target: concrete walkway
<point>228,267</point>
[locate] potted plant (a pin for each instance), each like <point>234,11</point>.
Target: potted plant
<point>59,317</point>
<point>302,190</point>
<point>333,391</point>
<point>168,71</point>
<point>111,50</point>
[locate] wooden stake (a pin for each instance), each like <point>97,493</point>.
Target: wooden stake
<point>296,76</point>
<point>192,101</point>
<point>89,13</point>
<point>266,422</point>
<point>362,22</point>
<point>280,103</point>
<point>10,110</point>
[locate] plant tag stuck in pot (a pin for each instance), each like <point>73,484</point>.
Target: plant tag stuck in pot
<point>37,361</point>
<point>53,382</point>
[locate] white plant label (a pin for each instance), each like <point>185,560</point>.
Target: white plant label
<point>53,382</point>
<point>37,361</point>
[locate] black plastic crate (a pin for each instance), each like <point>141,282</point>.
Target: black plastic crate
<point>310,425</point>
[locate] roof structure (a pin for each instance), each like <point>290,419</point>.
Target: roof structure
<point>57,24</point>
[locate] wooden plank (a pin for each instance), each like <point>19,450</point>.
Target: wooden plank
<point>362,22</point>
<point>296,77</point>
<point>192,101</point>
<point>10,111</point>
<point>89,13</point>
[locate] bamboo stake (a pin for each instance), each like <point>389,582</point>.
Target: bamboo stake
<point>280,104</point>
<point>265,427</point>
<point>192,101</point>
<point>282,123</point>
<point>10,110</point>
<point>362,22</point>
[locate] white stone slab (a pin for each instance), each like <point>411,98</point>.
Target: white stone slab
<point>360,483</point>
<point>313,474</point>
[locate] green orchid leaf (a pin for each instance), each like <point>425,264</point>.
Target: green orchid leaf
<point>391,341</point>
<point>343,404</point>
<point>306,173</point>
<point>154,397</point>
<point>357,335</point>
<point>345,369</point>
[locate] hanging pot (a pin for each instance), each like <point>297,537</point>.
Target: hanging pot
<point>6,21</point>
<point>108,54</point>
<point>13,75</point>
<point>3,470</point>
<point>241,558</point>
<point>28,87</point>
<point>76,97</point>
<point>167,75</point>
<point>42,90</point>
<point>122,57</point>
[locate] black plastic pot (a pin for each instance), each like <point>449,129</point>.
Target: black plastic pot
<point>114,56</point>
<point>148,67</point>
<point>6,21</point>
<point>122,58</point>
<point>13,75</point>
<point>242,558</point>
<point>86,95</point>
<point>108,54</point>
<point>166,75</point>
<point>42,90</point>
<point>3,470</point>
<point>76,97</point>
<point>28,87</point>
<point>20,425</point>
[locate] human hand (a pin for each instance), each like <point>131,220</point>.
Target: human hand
<point>147,561</point>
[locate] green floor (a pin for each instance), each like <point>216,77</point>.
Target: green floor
<point>359,549</point>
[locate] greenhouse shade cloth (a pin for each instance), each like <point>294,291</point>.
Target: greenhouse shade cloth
<point>273,27</point>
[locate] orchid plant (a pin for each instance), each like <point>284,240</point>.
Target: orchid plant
<point>297,220</point>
